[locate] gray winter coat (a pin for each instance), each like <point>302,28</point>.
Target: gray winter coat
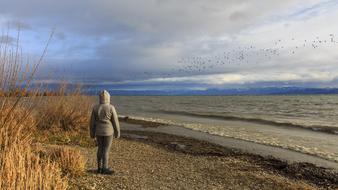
<point>104,120</point>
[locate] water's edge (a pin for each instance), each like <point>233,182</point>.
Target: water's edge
<point>162,122</point>
<point>290,156</point>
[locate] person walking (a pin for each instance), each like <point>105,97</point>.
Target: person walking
<point>104,126</point>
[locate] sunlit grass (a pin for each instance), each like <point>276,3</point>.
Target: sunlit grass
<point>21,167</point>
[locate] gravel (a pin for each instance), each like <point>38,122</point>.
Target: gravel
<point>158,161</point>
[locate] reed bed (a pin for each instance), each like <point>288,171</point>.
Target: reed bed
<point>21,167</point>
<point>67,112</point>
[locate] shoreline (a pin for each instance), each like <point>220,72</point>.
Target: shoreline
<point>155,160</point>
<point>319,176</point>
<point>287,156</point>
<point>241,145</point>
<point>298,155</point>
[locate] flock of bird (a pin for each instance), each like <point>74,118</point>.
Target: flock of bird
<point>245,55</point>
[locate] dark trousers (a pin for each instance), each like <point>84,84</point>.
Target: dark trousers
<point>104,144</point>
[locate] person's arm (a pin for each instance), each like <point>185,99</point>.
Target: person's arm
<point>115,122</point>
<point>92,127</point>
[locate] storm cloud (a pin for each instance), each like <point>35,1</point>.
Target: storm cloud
<point>142,42</point>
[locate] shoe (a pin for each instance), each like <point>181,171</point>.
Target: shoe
<point>99,170</point>
<point>107,171</point>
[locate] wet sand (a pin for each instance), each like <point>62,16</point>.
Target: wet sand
<point>247,145</point>
<point>302,140</point>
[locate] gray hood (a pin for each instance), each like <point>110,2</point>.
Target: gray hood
<point>104,97</point>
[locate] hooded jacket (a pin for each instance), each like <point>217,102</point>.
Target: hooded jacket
<point>104,120</point>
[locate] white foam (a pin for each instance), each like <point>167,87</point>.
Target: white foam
<point>296,143</point>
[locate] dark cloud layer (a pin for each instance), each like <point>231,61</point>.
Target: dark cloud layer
<point>120,40</point>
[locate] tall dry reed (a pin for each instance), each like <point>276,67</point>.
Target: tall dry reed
<point>68,111</point>
<point>69,159</point>
<point>20,167</point>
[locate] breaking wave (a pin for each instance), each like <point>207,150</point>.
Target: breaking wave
<point>320,128</point>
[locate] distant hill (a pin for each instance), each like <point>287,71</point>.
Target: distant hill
<point>239,91</point>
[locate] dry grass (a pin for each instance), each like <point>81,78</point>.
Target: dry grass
<point>68,113</point>
<point>70,160</point>
<point>20,167</point>
<point>79,138</point>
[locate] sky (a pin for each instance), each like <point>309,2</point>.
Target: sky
<point>179,44</point>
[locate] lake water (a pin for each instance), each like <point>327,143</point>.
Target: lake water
<point>307,124</point>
